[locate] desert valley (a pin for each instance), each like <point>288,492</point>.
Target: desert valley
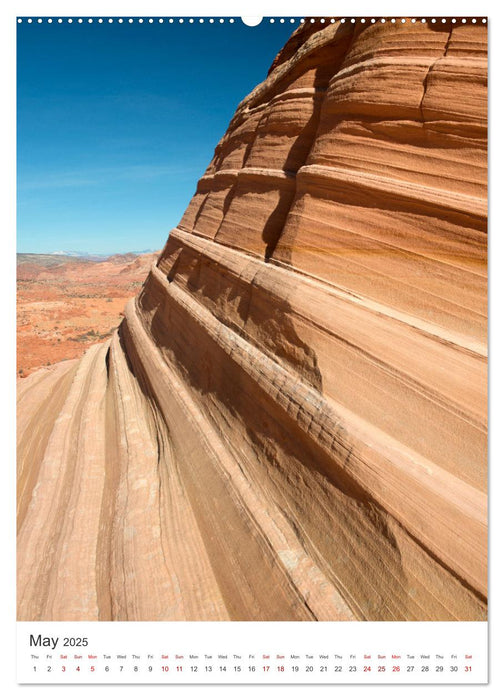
<point>66,303</point>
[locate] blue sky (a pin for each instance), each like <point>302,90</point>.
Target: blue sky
<point>117,122</point>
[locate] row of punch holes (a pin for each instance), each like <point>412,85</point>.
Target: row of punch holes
<point>272,20</point>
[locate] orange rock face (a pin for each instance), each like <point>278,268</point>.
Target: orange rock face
<point>290,423</point>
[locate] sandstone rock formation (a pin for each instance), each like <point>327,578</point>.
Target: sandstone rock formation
<point>290,423</point>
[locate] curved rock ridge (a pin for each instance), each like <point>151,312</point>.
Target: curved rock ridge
<point>291,421</point>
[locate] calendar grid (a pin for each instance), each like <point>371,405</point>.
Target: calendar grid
<point>268,653</point>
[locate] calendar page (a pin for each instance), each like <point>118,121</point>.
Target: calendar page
<point>251,347</point>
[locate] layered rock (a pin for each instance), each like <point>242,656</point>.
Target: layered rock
<point>290,423</point>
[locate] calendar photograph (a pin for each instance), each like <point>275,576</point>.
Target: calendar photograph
<point>251,321</point>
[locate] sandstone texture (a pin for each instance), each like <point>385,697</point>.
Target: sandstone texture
<point>291,421</point>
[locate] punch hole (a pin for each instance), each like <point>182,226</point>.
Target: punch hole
<point>252,21</point>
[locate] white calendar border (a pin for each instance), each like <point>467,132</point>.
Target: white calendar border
<point>7,276</point>
<point>253,652</point>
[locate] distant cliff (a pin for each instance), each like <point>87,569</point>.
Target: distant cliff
<point>290,423</point>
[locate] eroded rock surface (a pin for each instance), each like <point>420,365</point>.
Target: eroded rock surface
<point>290,423</point>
